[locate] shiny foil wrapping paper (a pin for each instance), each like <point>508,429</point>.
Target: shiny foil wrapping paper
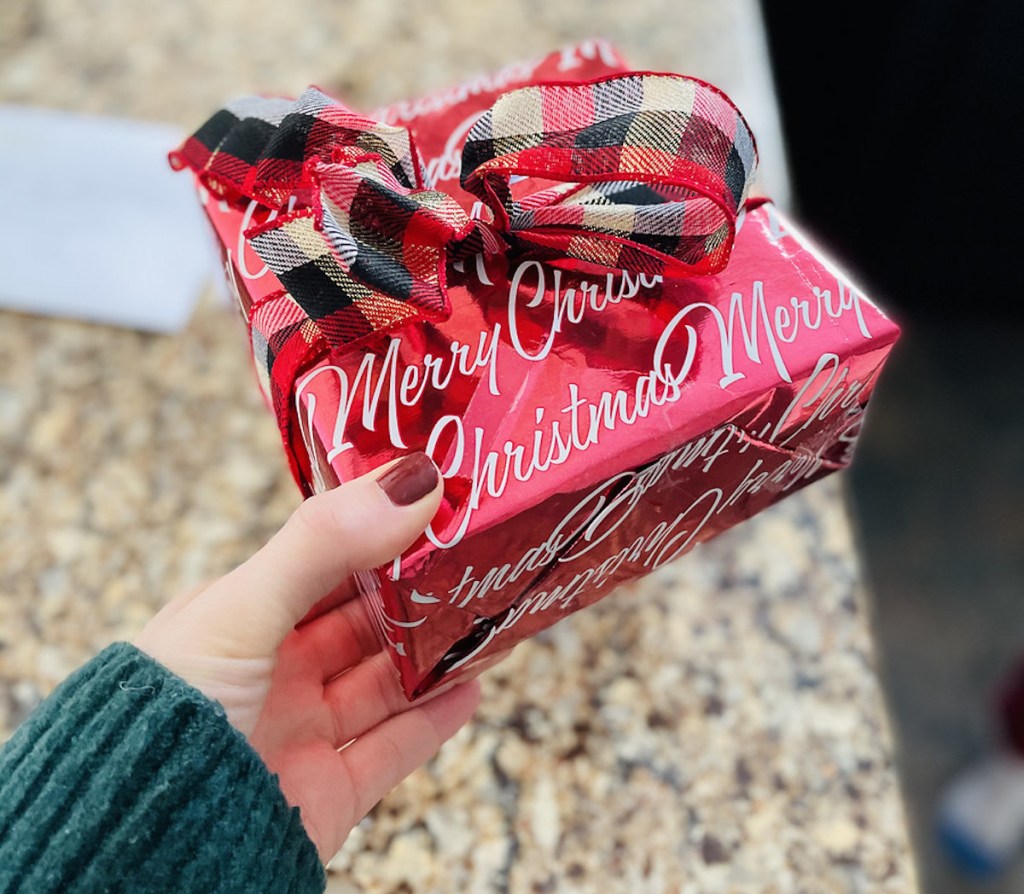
<point>590,428</point>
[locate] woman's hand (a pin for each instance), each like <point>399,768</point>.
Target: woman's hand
<point>301,693</point>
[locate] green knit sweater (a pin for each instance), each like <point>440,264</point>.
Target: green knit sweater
<point>126,779</point>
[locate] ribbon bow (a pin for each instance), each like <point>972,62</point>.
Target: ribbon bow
<point>644,172</point>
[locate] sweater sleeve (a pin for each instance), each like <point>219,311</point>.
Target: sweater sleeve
<point>128,779</point>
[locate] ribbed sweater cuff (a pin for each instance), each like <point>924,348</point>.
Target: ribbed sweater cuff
<point>128,779</point>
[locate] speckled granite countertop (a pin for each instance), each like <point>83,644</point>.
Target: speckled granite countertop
<point>716,728</point>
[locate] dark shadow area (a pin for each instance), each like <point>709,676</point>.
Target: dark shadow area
<point>936,488</point>
<point>905,138</point>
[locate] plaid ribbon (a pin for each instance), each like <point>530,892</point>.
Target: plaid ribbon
<point>651,171</point>
<point>643,172</point>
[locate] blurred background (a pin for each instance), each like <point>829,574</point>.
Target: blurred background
<point>903,129</point>
<point>894,136</point>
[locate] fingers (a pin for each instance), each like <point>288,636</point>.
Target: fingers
<point>357,526</point>
<point>377,761</point>
<point>341,594</point>
<point>340,639</point>
<point>369,693</point>
<point>364,697</point>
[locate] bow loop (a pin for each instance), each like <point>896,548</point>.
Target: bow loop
<point>632,170</point>
<point>264,148</point>
<point>356,242</point>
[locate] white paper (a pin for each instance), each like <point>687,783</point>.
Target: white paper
<point>95,225</point>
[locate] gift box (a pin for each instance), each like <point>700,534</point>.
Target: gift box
<point>554,281</point>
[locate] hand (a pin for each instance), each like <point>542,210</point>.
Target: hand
<point>301,693</point>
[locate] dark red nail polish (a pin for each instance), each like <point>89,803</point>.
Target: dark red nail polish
<point>409,480</point>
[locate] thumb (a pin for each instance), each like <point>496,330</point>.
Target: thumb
<point>355,527</point>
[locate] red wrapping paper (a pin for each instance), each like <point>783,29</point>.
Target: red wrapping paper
<point>590,427</point>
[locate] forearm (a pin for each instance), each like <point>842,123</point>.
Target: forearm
<point>128,778</point>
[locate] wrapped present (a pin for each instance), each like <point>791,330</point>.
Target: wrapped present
<point>556,283</point>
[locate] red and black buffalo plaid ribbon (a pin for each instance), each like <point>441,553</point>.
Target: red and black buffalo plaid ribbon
<point>643,172</point>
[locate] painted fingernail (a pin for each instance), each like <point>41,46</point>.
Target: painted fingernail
<point>409,480</point>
